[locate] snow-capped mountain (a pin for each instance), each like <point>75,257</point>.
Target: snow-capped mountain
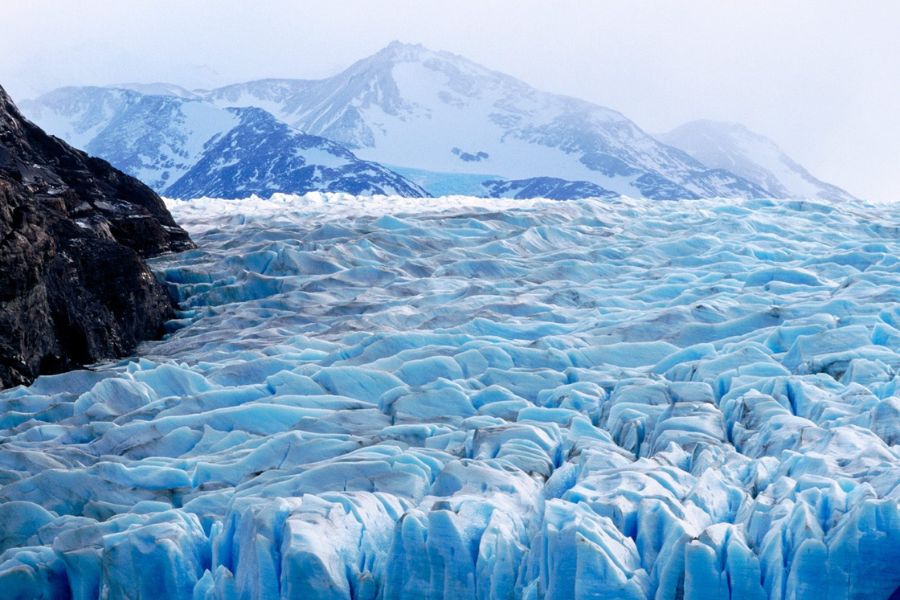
<point>754,157</point>
<point>437,112</point>
<point>186,147</point>
<point>419,122</point>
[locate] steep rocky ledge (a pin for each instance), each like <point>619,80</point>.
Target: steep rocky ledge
<point>74,232</point>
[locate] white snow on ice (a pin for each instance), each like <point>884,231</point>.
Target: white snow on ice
<point>386,398</point>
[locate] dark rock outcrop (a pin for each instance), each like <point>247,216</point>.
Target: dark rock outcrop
<point>74,232</point>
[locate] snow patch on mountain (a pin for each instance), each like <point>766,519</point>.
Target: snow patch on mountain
<point>77,115</point>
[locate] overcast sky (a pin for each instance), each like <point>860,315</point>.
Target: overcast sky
<point>820,77</point>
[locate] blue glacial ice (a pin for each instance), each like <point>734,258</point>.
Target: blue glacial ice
<point>396,399</point>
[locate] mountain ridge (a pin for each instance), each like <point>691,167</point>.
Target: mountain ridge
<point>173,144</point>
<point>410,106</point>
<point>734,147</point>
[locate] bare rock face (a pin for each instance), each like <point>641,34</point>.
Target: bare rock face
<point>74,232</point>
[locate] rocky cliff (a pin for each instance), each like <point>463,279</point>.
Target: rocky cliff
<point>74,232</point>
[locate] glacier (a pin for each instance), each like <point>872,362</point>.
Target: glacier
<point>395,398</point>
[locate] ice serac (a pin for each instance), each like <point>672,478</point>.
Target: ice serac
<point>469,398</point>
<point>184,147</point>
<point>74,287</point>
<point>751,156</point>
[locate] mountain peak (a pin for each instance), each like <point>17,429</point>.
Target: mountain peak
<point>718,129</point>
<point>9,114</point>
<point>401,51</point>
<point>447,118</point>
<point>398,52</point>
<point>397,44</point>
<point>438,112</point>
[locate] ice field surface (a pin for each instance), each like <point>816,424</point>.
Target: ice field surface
<point>390,398</point>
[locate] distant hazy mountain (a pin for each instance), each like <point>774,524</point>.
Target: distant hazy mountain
<point>439,113</point>
<point>185,147</point>
<point>733,147</point>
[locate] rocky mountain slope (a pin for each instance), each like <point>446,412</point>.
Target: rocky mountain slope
<point>74,287</point>
<point>752,156</point>
<point>184,147</point>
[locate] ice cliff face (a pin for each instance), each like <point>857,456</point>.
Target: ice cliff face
<point>415,399</point>
<point>733,147</point>
<point>411,107</point>
<point>182,146</point>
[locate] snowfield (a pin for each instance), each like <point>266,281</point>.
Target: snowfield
<point>388,398</point>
